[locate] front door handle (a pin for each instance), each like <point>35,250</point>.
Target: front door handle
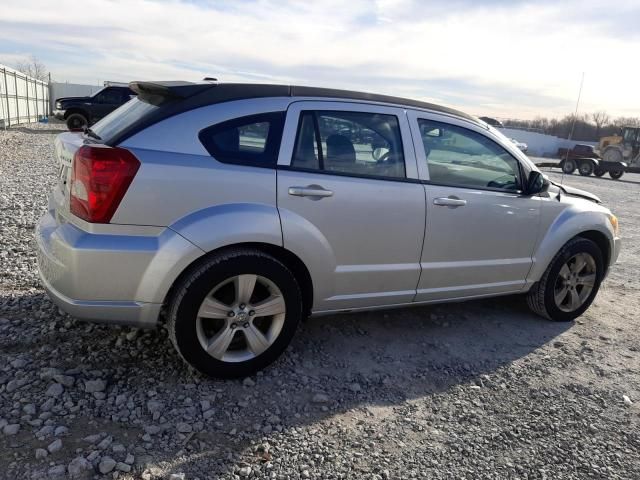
<point>449,202</point>
<point>310,191</point>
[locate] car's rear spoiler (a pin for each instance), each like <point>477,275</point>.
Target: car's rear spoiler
<point>158,92</point>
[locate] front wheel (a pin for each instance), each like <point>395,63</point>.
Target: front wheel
<point>570,283</point>
<point>235,314</point>
<point>568,166</point>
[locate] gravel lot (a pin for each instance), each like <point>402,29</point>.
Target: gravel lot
<point>476,390</point>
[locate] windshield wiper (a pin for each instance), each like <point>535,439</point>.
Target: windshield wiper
<point>91,133</point>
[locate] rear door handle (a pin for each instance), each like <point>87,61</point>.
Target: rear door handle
<point>449,202</point>
<point>310,191</point>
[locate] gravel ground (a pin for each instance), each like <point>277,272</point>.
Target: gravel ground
<point>476,390</point>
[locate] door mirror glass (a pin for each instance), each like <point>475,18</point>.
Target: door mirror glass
<point>379,153</point>
<point>536,183</point>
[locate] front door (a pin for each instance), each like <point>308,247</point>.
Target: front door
<point>481,229</point>
<point>350,202</point>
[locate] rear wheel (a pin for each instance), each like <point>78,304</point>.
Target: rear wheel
<point>599,172</point>
<point>77,121</point>
<point>568,166</point>
<point>585,168</point>
<point>235,314</point>
<point>612,154</point>
<point>616,174</point>
<point>570,283</point>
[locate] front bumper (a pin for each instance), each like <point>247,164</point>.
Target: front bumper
<point>59,114</point>
<point>111,278</point>
<point>615,251</point>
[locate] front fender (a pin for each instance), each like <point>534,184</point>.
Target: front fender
<point>229,224</point>
<point>571,222</point>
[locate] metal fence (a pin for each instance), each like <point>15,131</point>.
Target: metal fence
<point>22,99</point>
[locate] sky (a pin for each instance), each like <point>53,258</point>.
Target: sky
<point>502,58</point>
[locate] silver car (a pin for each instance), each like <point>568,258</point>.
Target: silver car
<point>232,211</point>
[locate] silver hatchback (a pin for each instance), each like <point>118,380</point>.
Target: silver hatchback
<point>232,211</point>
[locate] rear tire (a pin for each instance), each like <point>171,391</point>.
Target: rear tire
<point>616,174</point>
<point>612,154</point>
<point>542,297</point>
<point>586,168</point>
<point>189,328</point>
<point>569,166</point>
<point>77,121</point>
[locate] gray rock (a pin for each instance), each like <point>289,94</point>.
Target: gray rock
<point>177,476</point>
<point>320,398</point>
<point>55,446</point>
<point>80,468</point>
<point>154,406</point>
<point>65,380</point>
<point>248,382</point>
<point>123,467</point>
<point>184,427</point>
<point>41,453</point>
<point>61,430</point>
<point>57,471</point>
<point>29,409</point>
<point>105,443</point>
<point>106,465</point>
<point>92,386</point>
<point>11,429</point>
<point>54,390</point>
<point>244,471</point>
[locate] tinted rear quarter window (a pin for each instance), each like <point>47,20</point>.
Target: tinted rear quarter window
<point>253,140</point>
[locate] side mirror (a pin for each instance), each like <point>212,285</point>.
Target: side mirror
<point>536,183</point>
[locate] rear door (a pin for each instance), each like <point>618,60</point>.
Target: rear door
<point>350,202</point>
<point>481,228</point>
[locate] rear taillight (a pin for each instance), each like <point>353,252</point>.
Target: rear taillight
<point>101,176</point>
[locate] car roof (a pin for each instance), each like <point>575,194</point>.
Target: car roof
<point>206,93</point>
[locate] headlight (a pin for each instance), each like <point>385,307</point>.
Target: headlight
<point>614,223</point>
<point>58,105</point>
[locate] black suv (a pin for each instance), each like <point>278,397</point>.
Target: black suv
<point>80,112</point>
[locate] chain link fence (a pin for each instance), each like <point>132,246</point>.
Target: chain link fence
<point>23,99</point>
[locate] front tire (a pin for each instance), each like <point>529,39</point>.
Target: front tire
<point>235,314</point>
<point>570,283</point>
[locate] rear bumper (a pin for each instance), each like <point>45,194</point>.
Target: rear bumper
<point>111,278</point>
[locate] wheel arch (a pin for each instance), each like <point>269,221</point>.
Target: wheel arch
<point>81,111</point>
<point>288,258</point>
<point>592,225</point>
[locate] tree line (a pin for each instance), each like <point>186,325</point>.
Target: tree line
<point>589,127</point>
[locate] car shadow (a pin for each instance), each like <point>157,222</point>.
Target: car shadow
<point>336,365</point>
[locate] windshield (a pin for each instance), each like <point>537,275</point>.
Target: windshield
<point>121,118</point>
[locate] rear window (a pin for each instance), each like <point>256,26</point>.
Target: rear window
<point>121,118</point>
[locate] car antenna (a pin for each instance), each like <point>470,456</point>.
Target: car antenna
<point>573,126</point>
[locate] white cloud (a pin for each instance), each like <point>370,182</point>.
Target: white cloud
<point>502,58</point>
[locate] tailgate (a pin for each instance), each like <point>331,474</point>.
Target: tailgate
<point>66,145</point>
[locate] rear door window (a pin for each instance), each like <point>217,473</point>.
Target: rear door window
<point>253,140</point>
<point>353,143</point>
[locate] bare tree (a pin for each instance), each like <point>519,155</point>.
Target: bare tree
<point>600,118</point>
<point>33,67</point>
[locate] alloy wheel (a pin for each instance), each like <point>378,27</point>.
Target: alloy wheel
<point>240,318</point>
<point>575,281</point>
